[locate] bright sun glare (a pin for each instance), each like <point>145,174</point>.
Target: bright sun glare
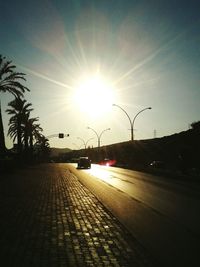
<point>94,96</point>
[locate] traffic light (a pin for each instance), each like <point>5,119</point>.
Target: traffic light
<point>60,135</point>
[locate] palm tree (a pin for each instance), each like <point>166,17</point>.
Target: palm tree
<point>19,109</point>
<point>36,133</point>
<point>196,126</point>
<point>31,131</point>
<point>43,147</point>
<point>10,81</point>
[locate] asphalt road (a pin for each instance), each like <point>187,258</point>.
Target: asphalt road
<point>163,214</point>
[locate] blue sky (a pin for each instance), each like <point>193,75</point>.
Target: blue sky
<point>149,51</point>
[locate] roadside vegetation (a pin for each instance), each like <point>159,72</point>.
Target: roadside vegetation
<point>29,143</point>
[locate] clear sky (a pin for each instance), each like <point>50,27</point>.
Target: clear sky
<point>132,53</point>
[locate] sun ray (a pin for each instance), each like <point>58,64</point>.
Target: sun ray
<point>42,76</point>
<point>73,53</point>
<point>148,59</point>
<point>82,52</point>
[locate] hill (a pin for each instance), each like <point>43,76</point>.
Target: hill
<point>177,152</point>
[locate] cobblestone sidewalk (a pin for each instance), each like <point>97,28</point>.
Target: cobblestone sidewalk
<point>47,218</point>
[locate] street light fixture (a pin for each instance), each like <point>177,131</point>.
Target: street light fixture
<point>98,135</point>
<point>85,143</point>
<point>131,122</point>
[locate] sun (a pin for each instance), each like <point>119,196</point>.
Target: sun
<point>94,96</point>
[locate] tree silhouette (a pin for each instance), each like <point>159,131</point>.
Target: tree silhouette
<point>32,132</point>
<point>19,109</point>
<point>196,126</point>
<point>43,147</point>
<point>10,81</point>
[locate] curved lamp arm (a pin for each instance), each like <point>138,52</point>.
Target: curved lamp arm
<point>115,105</point>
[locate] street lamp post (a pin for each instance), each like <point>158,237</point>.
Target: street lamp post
<point>98,135</point>
<point>85,143</point>
<point>131,122</point>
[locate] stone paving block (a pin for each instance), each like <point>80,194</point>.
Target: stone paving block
<point>49,219</point>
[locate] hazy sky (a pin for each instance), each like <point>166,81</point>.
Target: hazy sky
<point>139,53</point>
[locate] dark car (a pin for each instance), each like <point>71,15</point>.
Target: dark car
<point>84,163</point>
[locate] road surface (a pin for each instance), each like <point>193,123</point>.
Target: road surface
<point>163,214</point>
<point>48,219</point>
